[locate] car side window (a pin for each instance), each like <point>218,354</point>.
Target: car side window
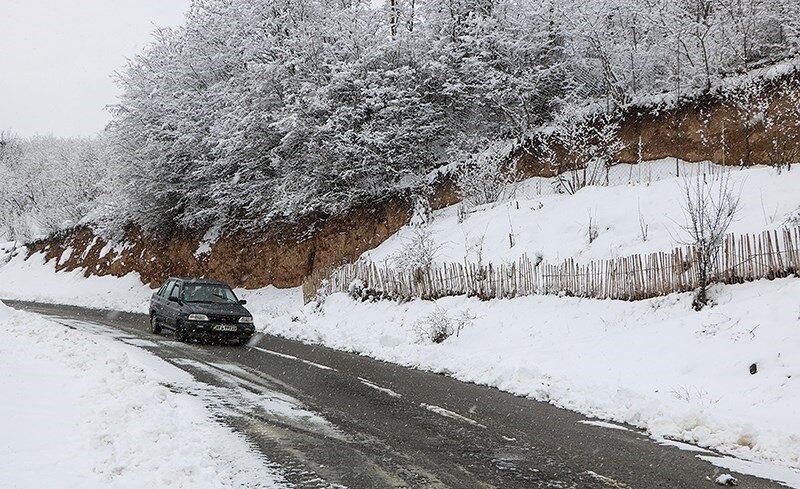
<point>167,289</point>
<point>175,292</point>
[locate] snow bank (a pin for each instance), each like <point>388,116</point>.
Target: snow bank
<point>91,412</point>
<point>36,280</point>
<point>270,302</point>
<point>655,364</point>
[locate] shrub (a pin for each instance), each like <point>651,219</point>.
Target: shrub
<point>419,251</point>
<point>356,289</point>
<point>438,326</point>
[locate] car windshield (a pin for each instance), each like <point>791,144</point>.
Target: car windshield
<point>208,293</point>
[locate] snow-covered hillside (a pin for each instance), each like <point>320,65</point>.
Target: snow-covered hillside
<point>656,364</point>
<point>557,225</point>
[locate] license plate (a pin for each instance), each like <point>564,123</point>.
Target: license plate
<point>225,327</point>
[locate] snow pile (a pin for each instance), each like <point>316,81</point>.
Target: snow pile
<point>91,412</point>
<point>271,302</point>
<point>726,480</point>
<point>655,364</point>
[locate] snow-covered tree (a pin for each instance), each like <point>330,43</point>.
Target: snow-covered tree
<point>47,183</point>
<point>259,111</point>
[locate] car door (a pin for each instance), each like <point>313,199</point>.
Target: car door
<point>161,297</point>
<point>172,309</point>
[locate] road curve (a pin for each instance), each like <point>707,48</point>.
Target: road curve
<point>381,425</point>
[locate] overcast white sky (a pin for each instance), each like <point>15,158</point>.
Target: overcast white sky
<point>57,58</point>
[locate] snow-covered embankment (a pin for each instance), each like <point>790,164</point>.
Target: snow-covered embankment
<point>656,364</point>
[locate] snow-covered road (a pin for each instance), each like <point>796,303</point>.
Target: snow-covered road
<point>325,418</point>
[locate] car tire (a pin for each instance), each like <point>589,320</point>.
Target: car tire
<point>155,328</point>
<point>180,334</point>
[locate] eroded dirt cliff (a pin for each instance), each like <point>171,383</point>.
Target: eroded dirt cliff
<point>281,256</point>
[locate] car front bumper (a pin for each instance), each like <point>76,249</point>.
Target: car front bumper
<point>205,330</point>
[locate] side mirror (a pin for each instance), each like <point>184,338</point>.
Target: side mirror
<point>242,302</point>
<point>174,299</point>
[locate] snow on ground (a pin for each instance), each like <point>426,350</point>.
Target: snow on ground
<point>88,411</point>
<point>271,302</point>
<point>655,364</point>
<point>7,249</point>
<point>556,225</point>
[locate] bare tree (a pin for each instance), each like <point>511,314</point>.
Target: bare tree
<point>643,225</point>
<point>591,148</point>
<point>710,205</point>
<point>576,170</point>
<point>608,143</point>
<point>592,232</point>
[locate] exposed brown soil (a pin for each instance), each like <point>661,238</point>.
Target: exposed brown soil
<point>284,255</point>
<point>707,128</point>
<point>279,257</point>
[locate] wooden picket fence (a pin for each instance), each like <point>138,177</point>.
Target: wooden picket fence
<point>748,257</point>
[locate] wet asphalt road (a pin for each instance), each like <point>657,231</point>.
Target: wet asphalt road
<point>381,425</point>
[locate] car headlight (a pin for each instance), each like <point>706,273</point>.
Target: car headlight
<point>246,319</point>
<point>198,317</point>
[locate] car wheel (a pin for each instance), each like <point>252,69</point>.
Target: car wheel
<point>155,328</point>
<point>180,334</point>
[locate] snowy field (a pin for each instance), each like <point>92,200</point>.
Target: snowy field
<point>654,364</point>
<point>90,412</point>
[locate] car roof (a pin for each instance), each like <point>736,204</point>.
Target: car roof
<point>198,280</point>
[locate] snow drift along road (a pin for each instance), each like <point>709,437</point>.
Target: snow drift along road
<point>87,411</point>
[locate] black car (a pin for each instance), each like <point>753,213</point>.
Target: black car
<point>201,309</point>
